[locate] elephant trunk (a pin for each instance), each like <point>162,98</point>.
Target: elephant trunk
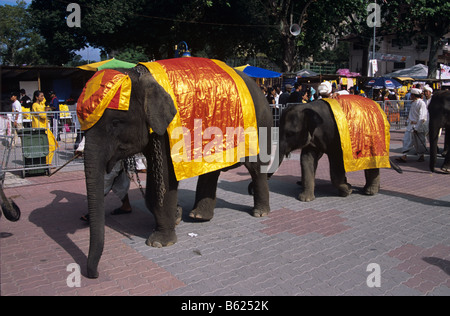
<point>434,136</point>
<point>95,172</point>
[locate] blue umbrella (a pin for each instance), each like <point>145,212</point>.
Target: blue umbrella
<point>383,83</point>
<point>256,72</point>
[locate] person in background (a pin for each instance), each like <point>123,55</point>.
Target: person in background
<point>39,120</point>
<point>54,105</point>
<point>415,135</point>
<point>25,100</point>
<point>271,95</point>
<point>26,104</point>
<point>325,89</point>
<point>427,95</point>
<point>296,96</point>
<point>284,97</point>
<point>16,117</point>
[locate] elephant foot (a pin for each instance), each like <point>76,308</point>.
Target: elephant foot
<point>92,273</point>
<point>345,190</point>
<point>260,212</point>
<point>159,239</point>
<point>371,190</point>
<point>306,197</point>
<point>201,215</point>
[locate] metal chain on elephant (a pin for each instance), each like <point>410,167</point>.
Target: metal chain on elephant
<point>157,169</point>
<point>131,167</point>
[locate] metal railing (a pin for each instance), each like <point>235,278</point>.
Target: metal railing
<point>31,150</point>
<point>397,113</point>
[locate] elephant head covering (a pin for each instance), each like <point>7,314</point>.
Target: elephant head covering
<point>106,89</point>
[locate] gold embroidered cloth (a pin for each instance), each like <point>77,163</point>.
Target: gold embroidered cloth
<point>215,126</point>
<point>106,89</point>
<point>364,132</point>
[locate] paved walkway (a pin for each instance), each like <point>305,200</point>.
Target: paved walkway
<point>395,243</point>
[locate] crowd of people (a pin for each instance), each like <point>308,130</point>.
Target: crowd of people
<point>27,113</point>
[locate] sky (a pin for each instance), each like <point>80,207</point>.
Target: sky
<point>91,54</point>
<point>12,2</point>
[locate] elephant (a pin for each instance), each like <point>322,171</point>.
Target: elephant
<point>439,110</point>
<point>312,128</point>
<point>121,134</point>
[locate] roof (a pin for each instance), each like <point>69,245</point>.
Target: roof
<point>29,73</point>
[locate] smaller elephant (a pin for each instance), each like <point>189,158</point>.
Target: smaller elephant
<point>312,128</point>
<point>439,110</point>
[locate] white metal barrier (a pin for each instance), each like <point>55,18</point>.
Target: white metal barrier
<point>30,150</point>
<point>397,112</point>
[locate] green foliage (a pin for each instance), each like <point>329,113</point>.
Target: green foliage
<point>19,43</point>
<point>143,30</point>
<point>133,55</point>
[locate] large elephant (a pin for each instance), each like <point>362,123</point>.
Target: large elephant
<point>120,134</point>
<point>312,128</point>
<point>439,110</point>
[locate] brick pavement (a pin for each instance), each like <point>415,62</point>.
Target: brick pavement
<point>318,248</point>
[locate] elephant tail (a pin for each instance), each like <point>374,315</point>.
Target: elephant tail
<point>395,166</point>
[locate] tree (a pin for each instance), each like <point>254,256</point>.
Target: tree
<point>19,44</point>
<point>412,18</point>
<point>61,41</point>
<point>214,28</point>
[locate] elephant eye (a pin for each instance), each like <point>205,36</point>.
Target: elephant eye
<point>115,123</point>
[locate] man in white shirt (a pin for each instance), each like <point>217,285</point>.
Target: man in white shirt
<point>17,115</point>
<point>427,95</point>
<point>415,135</point>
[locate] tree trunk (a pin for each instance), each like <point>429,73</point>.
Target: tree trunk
<point>433,58</point>
<point>289,62</point>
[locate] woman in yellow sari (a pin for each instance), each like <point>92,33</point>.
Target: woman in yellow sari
<point>39,120</point>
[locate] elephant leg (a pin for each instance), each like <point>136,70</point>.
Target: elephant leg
<point>205,197</point>
<point>162,194</point>
<point>372,181</point>
<point>338,178</point>
<point>260,190</point>
<point>446,166</point>
<point>309,161</point>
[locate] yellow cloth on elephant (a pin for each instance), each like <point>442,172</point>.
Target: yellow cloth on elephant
<point>106,89</point>
<point>215,125</point>
<point>364,132</point>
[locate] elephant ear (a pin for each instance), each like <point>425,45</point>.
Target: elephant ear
<point>159,107</point>
<point>313,120</point>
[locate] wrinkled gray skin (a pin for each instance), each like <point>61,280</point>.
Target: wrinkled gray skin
<point>439,110</point>
<point>312,128</point>
<point>120,134</point>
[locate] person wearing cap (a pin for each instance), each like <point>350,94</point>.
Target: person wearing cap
<point>427,94</point>
<point>325,89</point>
<point>415,135</point>
<point>17,116</point>
<point>284,97</point>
